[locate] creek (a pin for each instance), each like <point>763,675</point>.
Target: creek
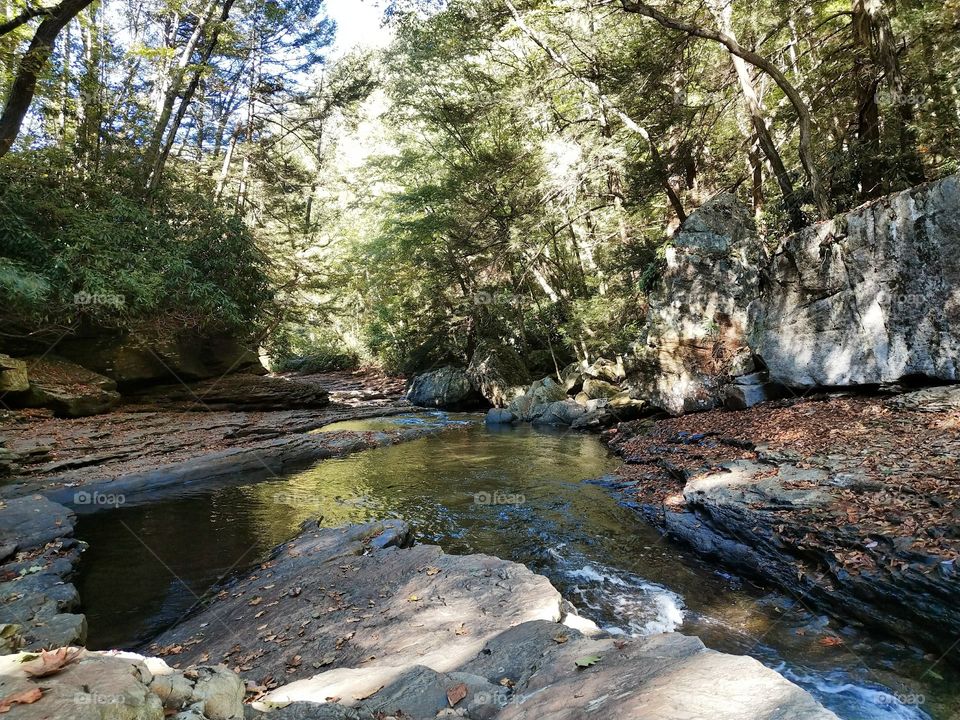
<point>533,496</point>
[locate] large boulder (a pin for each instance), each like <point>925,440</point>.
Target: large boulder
<point>498,373</point>
<point>868,297</point>
<point>698,320</point>
<point>562,412</point>
<point>13,375</point>
<point>68,389</point>
<point>133,360</point>
<point>448,388</point>
<point>542,392</point>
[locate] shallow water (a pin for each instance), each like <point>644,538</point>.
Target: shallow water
<point>518,493</point>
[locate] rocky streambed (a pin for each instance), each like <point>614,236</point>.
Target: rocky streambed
<point>510,492</point>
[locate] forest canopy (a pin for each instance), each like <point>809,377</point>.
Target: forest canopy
<point>504,171</point>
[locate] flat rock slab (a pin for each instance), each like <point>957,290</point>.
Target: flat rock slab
<point>661,677</point>
<point>945,398</point>
<point>349,624</point>
<point>33,521</point>
<point>341,598</point>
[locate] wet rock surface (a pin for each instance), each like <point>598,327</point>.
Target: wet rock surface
<point>829,500</point>
<point>348,623</point>
<point>39,608</point>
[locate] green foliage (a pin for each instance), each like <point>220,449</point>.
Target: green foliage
<point>312,351</point>
<point>92,250</point>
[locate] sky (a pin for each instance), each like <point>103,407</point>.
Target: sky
<point>359,23</point>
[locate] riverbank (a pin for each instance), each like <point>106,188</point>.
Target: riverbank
<point>137,453</point>
<point>185,433</point>
<point>846,503</point>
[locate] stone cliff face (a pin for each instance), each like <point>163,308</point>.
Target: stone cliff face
<point>872,296</point>
<point>869,297</point>
<point>698,322</point>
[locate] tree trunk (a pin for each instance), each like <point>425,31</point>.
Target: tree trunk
<point>160,160</point>
<point>757,119</point>
<point>820,199</point>
<point>31,65</point>
<point>873,31</point>
<point>174,85</point>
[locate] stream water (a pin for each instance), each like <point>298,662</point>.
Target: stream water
<point>518,493</point>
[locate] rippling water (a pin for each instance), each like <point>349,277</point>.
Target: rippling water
<point>518,493</point>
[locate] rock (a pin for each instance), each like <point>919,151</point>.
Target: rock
<point>759,377</point>
<point>125,686</point>
<point>786,529</point>
<point>541,392</point>
<point>657,677</point>
<point>31,522</point>
<point>447,388</point>
<point>594,419</point>
<point>238,392</point>
<point>561,412</point>
<point>394,604</point>
<point>498,373</point>
<point>217,693</point>
<point>599,389</point>
<point>68,389</point>
<point>37,593</point>
<point>418,634</point>
<point>13,375</point>
<point>133,360</point>
<point>95,687</point>
<point>698,322</point>
<point>868,297</point>
<point>498,417</point>
<point>571,377</point>
<point>738,396</point>
<point>609,370</point>
<point>945,398</point>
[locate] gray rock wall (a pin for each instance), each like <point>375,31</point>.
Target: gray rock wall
<point>868,297</point>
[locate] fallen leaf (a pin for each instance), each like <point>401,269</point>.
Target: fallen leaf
<point>24,697</point>
<point>51,662</point>
<point>456,694</point>
<point>413,598</point>
<point>587,661</point>
<point>256,601</point>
